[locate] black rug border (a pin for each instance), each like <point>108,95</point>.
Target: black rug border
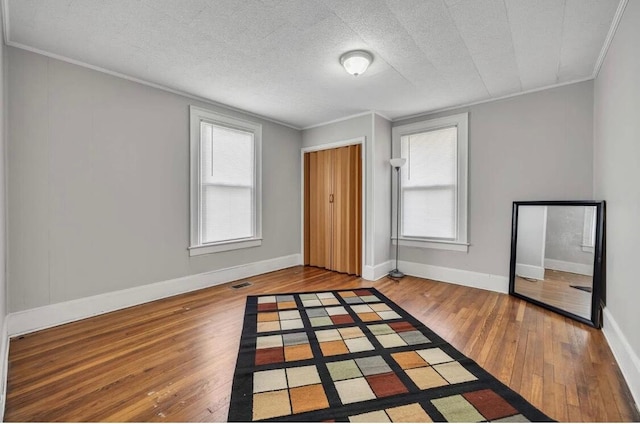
<point>239,405</point>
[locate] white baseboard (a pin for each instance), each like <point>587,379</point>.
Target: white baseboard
<point>376,272</point>
<point>627,359</point>
<point>497,283</point>
<point>30,320</point>
<point>573,267</point>
<point>4,357</point>
<point>530,271</point>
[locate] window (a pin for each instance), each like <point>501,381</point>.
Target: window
<point>589,229</point>
<point>225,183</point>
<point>433,183</point>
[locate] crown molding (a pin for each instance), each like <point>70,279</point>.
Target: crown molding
<point>141,81</point>
<point>496,99</point>
<point>612,32</point>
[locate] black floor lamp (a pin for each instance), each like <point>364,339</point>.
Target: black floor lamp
<point>397,164</point>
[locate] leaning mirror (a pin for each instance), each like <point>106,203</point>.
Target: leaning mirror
<point>557,257</point>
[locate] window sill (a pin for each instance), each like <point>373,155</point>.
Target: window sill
<point>434,244</point>
<point>223,246</point>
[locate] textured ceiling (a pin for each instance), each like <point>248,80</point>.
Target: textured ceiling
<point>279,58</point>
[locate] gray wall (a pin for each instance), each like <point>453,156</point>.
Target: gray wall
<point>359,126</point>
<point>98,185</point>
<point>565,231</point>
<point>531,147</point>
<point>3,205</point>
<point>617,172</point>
<point>382,189</point>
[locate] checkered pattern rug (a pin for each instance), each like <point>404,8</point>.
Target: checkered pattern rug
<point>353,355</point>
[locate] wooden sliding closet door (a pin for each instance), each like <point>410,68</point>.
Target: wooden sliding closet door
<point>319,216</point>
<point>333,209</point>
<point>347,210</point>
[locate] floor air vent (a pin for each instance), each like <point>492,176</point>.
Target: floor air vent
<point>241,285</point>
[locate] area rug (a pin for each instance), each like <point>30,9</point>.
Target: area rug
<point>353,355</point>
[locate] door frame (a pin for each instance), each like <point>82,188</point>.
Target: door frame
<point>350,142</point>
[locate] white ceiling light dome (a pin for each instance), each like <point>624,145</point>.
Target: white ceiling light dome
<point>356,61</point>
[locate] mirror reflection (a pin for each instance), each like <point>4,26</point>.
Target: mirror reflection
<point>554,260</point>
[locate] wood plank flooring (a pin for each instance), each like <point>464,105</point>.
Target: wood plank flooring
<point>173,359</point>
<point>556,290</point>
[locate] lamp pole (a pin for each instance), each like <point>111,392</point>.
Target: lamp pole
<point>397,163</point>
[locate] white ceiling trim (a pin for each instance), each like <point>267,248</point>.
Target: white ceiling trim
<point>140,81</point>
<point>612,32</point>
<point>382,115</point>
<point>344,118</point>
<point>508,96</point>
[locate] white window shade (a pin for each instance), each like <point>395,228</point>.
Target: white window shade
<point>428,213</point>
<point>227,179</point>
<point>226,213</point>
<point>429,184</point>
<point>227,156</point>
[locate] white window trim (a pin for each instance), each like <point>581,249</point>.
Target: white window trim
<point>588,230</point>
<point>196,116</point>
<point>461,121</point>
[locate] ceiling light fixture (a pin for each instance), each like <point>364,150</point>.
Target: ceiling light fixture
<point>356,61</point>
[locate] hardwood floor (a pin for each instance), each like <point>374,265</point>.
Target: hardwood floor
<point>173,359</point>
<point>556,290</point>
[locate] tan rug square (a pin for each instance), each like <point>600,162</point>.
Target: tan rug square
<point>426,378</point>
<point>308,398</point>
<point>412,413</point>
<point>265,327</point>
<point>369,316</point>
<point>350,332</point>
<point>297,352</point>
<point>287,305</point>
<point>271,404</point>
<point>333,348</point>
<point>370,417</point>
<point>408,360</point>
<point>267,316</point>
<point>454,372</point>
